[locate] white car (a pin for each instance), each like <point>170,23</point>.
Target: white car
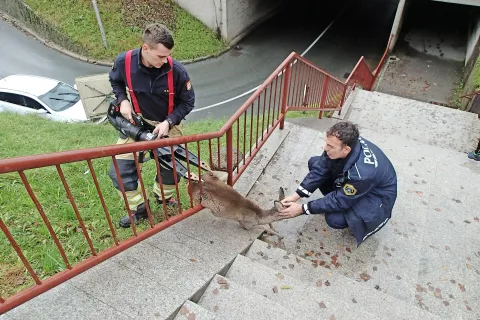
<point>48,98</point>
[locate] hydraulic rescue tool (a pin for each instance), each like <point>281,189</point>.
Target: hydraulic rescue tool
<point>142,131</point>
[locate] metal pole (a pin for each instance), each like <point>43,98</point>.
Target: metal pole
<point>99,20</point>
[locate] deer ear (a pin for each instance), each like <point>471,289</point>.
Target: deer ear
<point>278,205</point>
<point>281,194</point>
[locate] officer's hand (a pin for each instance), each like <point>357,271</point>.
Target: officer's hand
<point>291,210</point>
<point>161,129</point>
<point>291,198</point>
<point>126,110</point>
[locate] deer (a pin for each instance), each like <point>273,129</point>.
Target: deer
<point>225,202</point>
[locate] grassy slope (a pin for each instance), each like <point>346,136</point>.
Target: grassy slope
<point>77,20</point>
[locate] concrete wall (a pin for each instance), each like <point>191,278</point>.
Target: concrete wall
<point>465,2</point>
<point>231,18</point>
<point>473,36</point>
<point>210,12</point>
<point>397,23</point>
<point>243,15</point>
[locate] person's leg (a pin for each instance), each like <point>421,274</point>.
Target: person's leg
<point>129,177</point>
<point>336,220</point>
<point>168,177</point>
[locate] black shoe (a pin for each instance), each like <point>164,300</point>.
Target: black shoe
<point>139,214</point>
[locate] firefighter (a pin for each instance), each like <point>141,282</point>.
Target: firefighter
<point>161,91</point>
<point>357,180</point>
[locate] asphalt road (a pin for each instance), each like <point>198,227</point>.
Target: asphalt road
<point>356,33</point>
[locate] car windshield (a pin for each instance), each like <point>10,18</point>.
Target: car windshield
<point>61,97</point>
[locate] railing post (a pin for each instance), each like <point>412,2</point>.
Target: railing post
<point>343,98</point>
<point>230,156</point>
<point>324,96</point>
<point>286,87</point>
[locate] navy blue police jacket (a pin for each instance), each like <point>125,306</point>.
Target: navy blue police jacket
<point>365,188</point>
<point>151,88</point>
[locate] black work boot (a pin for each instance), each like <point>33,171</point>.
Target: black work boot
<point>139,214</point>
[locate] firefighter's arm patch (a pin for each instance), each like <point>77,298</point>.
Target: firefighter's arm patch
<point>188,85</point>
<point>349,190</point>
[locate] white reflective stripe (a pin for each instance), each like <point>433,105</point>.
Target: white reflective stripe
<point>376,229</point>
<point>302,189</point>
<point>358,171</point>
<point>305,208</point>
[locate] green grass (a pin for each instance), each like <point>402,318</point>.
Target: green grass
<point>476,73</point>
<point>77,20</point>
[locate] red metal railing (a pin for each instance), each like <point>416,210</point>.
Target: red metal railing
<point>296,84</point>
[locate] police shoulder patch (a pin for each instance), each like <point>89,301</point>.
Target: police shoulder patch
<point>349,190</point>
<point>189,85</point>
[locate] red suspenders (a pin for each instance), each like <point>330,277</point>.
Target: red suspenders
<point>128,71</point>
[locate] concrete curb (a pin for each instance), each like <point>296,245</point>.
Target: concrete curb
<point>20,25</point>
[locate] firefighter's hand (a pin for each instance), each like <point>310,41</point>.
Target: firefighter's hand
<point>126,110</point>
<point>161,129</point>
<point>291,210</point>
<point>291,198</point>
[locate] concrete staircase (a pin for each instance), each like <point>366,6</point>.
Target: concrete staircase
<point>424,264</point>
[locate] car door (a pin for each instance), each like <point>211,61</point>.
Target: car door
<point>38,108</point>
<point>14,103</point>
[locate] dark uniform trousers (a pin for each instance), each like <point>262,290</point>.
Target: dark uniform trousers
<point>129,175</point>
<point>334,220</point>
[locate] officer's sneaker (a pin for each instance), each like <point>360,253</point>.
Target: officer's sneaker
<point>474,156</point>
<point>139,214</point>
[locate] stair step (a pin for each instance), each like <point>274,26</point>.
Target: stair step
<point>192,311</point>
<point>292,293</point>
<point>333,285</point>
<point>229,300</point>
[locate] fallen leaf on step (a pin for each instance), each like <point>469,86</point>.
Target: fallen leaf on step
<point>332,317</point>
<point>215,308</point>
<point>348,250</point>
<point>319,283</point>
<point>365,276</point>
<point>280,276</point>
<point>215,292</point>
<point>327,283</point>
<point>446,303</point>
<point>462,287</point>
<point>476,219</point>
<point>275,289</point>
<point>322,305</point>
<point>297,182</point>
<point>191,316</point>
<point>291,266</point>
<point>437,209</point>
<point>469,266</point>
<point>285,286</point>
<point>309,253</point>
<point>221,281</point>
<point>420,193</point>
<point>184,310</point>
<point>193,260</point>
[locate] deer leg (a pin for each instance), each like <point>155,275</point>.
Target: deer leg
<point>246,225</point>
<point>272,231</point>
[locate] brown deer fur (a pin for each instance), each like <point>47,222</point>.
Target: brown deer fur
<point>225,202</point>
